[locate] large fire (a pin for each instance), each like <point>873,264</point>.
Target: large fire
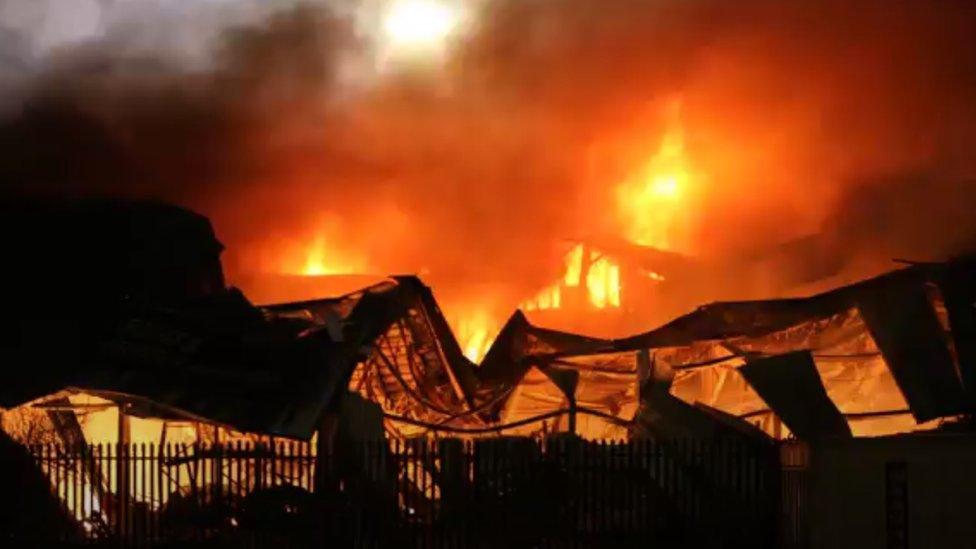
<point>461,156</point>
<point>650,199</point>
<point>601,282</point>
<point>475,332</point>
<point>320,260</point>
<point>648,203</point>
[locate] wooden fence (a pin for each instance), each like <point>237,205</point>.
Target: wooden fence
<point>512,492</point>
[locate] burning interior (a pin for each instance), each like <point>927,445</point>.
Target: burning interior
<point>607,236</point>
<point>167,355</point>
<point>842,362</point>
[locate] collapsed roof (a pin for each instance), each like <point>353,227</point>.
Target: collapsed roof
<point>896,345</point>
<point>159,332</point>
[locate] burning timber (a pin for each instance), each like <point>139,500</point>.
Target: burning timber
<point>153,345</point>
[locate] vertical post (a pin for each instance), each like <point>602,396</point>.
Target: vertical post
<point>259,449</point>
<point>275,461</point>
<point>143,493</point>
<point>122,470</point>
<point>645,369</point>
<point>572,413</point>
<point>452,477</point>
<point>896,504</point>
<point>325,448</point>
<point>238,477</point>
<point>217,477</point>
<point>99,486</point>
<point>566,380</point>
<point>151,493</point>
<point>789,488</point>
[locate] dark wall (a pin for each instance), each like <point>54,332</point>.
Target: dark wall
<point>73,270</point>
<point>855,501</point>
<point>28,509</point>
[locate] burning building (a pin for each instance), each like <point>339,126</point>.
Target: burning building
<point>166,353</point>
<point>146,323</point>
<point>843,358</point>
<point>560,175</point>
<point>166,340</point>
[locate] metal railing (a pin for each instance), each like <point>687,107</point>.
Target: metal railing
<point>420,493</point>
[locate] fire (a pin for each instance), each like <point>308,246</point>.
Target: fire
<point>474,328</point>
<point>601,282</point>
<point>574,266</point>
<point>321,260</point>
<point>650,200</point>
<point>475,332</point>
<point>549,298</point>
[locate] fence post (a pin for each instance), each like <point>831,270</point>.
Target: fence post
<point>615,491</point>
<point>452,481</point>
<point>325,480</point>
<point>790,491</point>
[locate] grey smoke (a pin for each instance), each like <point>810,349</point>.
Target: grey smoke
<point>247,113</point>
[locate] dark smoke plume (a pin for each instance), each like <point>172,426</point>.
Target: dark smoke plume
<point>854,119</point>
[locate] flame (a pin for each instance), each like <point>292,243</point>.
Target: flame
<point>550,297</point>
<point>602,284</point>
<point>574,266</point>
<point>648,203</point>
<point>475,332</point>
<point>474,328</point>
<point>321,259</point>
<point>650,200</point>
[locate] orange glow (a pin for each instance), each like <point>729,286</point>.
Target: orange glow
<point>550,297</point>
<point>321,260</point>
<point>654,276</point>
<point>574,266</point>
<point>473,327</point>
<point>649,201</point>
<point>648,205</point>
<point>475,332</point>
<point>603,283</point>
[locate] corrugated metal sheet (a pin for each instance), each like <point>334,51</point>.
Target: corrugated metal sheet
<point>790,385</point>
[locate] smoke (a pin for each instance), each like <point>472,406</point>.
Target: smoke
<point>801,117</point>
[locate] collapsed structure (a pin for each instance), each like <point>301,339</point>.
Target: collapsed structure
<point>882,356</point>
<point>155,335</point>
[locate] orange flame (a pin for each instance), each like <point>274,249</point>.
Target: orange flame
<point>574,266</point>
<point>648,205</point>
<point>650,200</point>
<point>602,282</point>
<point>475,332</point>
<point>321,259</point>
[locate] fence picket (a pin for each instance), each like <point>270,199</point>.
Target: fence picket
<point>614,490</point>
